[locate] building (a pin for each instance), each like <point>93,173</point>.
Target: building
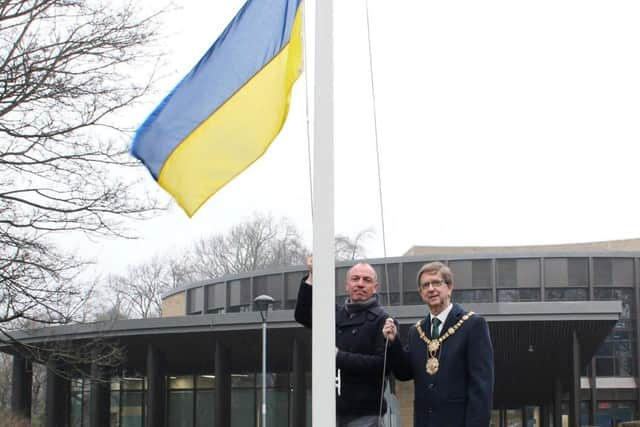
<point>562,319</point>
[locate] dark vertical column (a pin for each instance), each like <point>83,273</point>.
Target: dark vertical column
<point>99,400</point>
<point>593,393</point>
<point>503,417</point>
<point>21,380</point>
<point>574,386</point>
<point>299,398</point>
<point>222,408</point>
<point>157,388</point>
<point>544,415</point>
<point>57,400</point>
<point>557,403</point>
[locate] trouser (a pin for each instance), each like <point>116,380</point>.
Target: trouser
<point>363,421</point>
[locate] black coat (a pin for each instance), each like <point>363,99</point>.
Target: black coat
<point>460,394</point>
<point>360,357</point>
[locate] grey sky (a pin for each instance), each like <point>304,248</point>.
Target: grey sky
<point>499,122</point>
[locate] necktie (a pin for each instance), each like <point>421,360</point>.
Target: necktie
<point>435,328</point>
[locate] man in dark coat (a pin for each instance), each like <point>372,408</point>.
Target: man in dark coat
<point>449,356</point>
<point>360,345</point>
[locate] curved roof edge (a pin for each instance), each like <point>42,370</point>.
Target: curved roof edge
<point>625,245</point>
<point>492,312</point>
<point>608,248</point>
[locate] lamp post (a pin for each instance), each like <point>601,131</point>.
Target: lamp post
<point>262,303</point>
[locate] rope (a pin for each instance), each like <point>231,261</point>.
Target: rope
<point>306,90</point>
<point>384,233</point>
<point>384,368</point>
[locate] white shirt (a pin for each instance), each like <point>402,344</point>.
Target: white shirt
<point>442,317</point>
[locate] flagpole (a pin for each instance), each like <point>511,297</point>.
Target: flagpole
<point>323,335</point>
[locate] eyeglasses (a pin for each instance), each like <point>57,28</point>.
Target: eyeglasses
<point>434,283</point>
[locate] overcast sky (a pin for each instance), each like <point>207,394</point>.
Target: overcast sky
<point>499,123</point>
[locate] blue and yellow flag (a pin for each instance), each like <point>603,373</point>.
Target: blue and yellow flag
<point>224,114</point>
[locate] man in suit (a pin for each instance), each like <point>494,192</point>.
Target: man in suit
<point>360,345</point>
<point>448,355</point>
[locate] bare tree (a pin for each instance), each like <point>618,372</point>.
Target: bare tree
<point>350,248</point>
<point>258,243</point>
<point>139,292</point>
<point>64,67</point>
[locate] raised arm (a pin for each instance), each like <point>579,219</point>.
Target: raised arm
<point>304,303</point>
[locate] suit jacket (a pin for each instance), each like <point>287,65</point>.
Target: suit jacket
<point>460,394</point>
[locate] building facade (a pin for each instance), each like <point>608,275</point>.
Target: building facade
<point>563,321</point>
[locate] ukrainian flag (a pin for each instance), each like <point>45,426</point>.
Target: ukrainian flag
<point>224,114</point>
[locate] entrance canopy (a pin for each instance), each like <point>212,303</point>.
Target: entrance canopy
<point>532,341</point>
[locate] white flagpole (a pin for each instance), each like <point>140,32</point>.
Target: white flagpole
<point>323,335</point>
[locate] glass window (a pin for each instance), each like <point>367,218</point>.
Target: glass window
<point>86,405</point>
<point>391,277</point>
<point>180,408</point>
<point>389,284</point>
<point>472,295</point>
<point>602,271</point>
<point>194,300</point>
<point>495,418</point>
<point>114,409</point>
<point>518,295</point>
<point>566,272</point>
<point>410,283</point>
<point>462,274</point>
<point>611,413</point>
<point>205,402</point>
<point>528,271</point>
<point>481,270</point>
<point>555,272</point>
<point>181,383</point>
<point>613,271</point>
<point>132,408</point>
<point>243,380</point>
<point>532,416</point>
<point>239,292</point>
<point>243,407</point>
<point>469,274</point>
<point>216,296</point>
<point>521,273</point>
<point>618,350</point>
<point>622,270</point>
<point>507,273</point>
<point>270,284</point>
<point>412,298</point>
<point>206,381</point>
<point>278,407</point>
<point>341,278</point>
<point>292,281</point>
<point>409,275</point>
<point>75,414</point>
<point>131,383</point>
<point>568,294</point>
<point>514,417</point>
<point>605,349</point>
<point>578,271</point>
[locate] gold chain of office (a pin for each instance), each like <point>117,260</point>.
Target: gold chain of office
<point>434,346</point>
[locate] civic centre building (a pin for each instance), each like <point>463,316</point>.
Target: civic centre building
<point>563,321</point>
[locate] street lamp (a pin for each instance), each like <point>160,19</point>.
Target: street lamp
<point>262,303</point>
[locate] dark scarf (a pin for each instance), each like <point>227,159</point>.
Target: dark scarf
<point>358,306</point>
